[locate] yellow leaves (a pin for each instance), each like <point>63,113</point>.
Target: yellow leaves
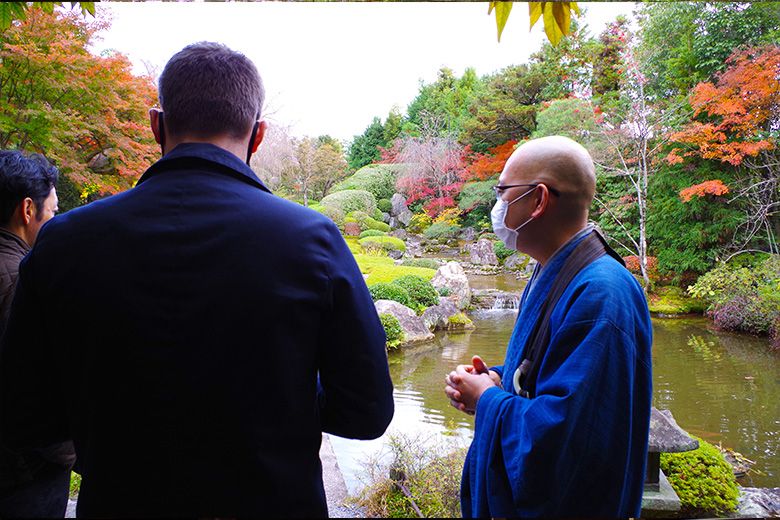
<point>556,16</point>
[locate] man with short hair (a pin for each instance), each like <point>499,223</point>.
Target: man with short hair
<point>561,428</point>
<point>210,331</point>
<point>33,483</point>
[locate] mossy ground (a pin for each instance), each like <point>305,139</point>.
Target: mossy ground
<point>382,269</point>
<point>673,300</point>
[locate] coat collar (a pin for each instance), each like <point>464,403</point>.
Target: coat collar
<point>189,154</point>
<point>13,241</point>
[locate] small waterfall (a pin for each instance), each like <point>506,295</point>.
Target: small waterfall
<point>506,303</point>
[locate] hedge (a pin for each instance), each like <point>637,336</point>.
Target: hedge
<point>387,243</point>
<point>352,200</point>
<point>378,179</point>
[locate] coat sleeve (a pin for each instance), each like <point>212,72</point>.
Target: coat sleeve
<point>572,440</point>
<point>32,392</point>
<point>355,390</point>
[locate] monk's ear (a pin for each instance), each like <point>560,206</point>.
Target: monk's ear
<point>541,200</point>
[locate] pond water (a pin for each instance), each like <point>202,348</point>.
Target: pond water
<point>722,387</point>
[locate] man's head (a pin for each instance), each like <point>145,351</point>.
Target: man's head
<point>28,197</point>
<point>209,93</point>
<point>557,182</point>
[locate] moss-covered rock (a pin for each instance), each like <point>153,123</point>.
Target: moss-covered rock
<point>673,300</point>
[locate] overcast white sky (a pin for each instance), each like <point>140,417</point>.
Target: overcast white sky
<point>328,68</point>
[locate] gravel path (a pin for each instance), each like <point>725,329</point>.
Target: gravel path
<point>335,488</point>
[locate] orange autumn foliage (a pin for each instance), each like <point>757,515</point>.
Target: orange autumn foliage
<point>486,165</point>
<point>740,108</point>
<point>713,187</point>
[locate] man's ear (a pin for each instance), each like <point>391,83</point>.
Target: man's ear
<point>262,126</point>
<point>27,210</point>
<point>154,122</point>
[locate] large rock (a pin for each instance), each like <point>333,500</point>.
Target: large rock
<point>413,326</point>
<point>437,317</point>
<point>452,276</point>
<point>759,502</point>
<point>666,436</point>
<point>482,252</point>
<point>516,261</point>
<point>399,210</point>
<point>494,299</point>
<point>468,234</point>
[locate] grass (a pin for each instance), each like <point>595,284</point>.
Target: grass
<point>382,269</point>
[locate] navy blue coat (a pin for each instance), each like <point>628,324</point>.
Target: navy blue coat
<point>194,336</point>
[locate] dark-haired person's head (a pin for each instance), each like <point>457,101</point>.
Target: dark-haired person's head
<point>28,197</point>
<point>210,94</point>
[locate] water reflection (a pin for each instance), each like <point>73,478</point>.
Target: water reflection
<point>722,387</point>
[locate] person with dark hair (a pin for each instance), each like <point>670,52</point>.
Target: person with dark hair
<point>33,483</point>
<point>201,333</point>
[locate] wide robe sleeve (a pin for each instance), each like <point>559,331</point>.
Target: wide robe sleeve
<point>576,448</point>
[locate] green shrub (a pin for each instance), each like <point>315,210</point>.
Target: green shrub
<point>702,479</point>
<point>419,223</point>
<point>393,330</point>
<point>445,291</point>
<point>386,243</point>
<point>333,213</point>
<point>376,224</point>
<point>431,475</point>
<point>377,179</point>
<point>372,233</point>
<point>441,231</point>
<point>378,215</point>
<point>429,263</point>
<point>502,252</point>
<point>384,205</point>
<point>421,292</point>
<point>352,200</point>
<point>389,291</point>
<point>743,297</point>
<point>673,300</point>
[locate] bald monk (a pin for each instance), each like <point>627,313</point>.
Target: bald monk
<point>561,427</point>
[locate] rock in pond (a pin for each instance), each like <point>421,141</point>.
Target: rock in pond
<point>482,252</point>
<point>452,276</point>
<point>413,326</point>
<point>437,317</point>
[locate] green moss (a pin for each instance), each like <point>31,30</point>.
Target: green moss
<point>430,263</point>
<point>702,479</point>
<point>673,300</point>
<point>372,233</point>
<point>354,246</point>
<point>387,243</point>
<point>382,269</point>
<point>459,321</point>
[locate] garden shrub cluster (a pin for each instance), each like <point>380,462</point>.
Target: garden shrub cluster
<point>419,223</point>
<point>366,222</point>
<point>414,291</point>
<point>702,479</point>
<point>377,179</point>
<point>743,296</point>
<point>502,252</point>
<point>429,473</point>
<point>393,331</point>
<point>430,263</point>
<point>390,291</point>
<point>441,231</point>
<point>332,212</point>
<point>384,205</point>
<point>352,200</point>
<point>385,243</point>
<point>421,293</point>
<point>372,233</point>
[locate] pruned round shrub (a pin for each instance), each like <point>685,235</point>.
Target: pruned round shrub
<point>378,215</point>
<point>384,205</point>
<point>441,231</point>
<point>421,293</point>
<point>351,200</point>
<point>377,179</point>
<point>333,213</point>
<point>389,291</point>
<point>376,224</point>
<point>428,263</point>
<point>386,243</point>
<point>702,479</point>
<point>372,233</point>
<point>393,331</point>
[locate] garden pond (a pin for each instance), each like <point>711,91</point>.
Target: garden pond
<point>722,387</point>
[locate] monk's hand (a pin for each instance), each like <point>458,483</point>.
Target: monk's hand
<point>465,386</point>
<point>481,368</point>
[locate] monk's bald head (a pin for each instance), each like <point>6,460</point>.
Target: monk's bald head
<point>561,164</point>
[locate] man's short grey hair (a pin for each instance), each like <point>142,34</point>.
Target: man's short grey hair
<point>207,89</point>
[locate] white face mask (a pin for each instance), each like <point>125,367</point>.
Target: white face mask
<point>498,215</point>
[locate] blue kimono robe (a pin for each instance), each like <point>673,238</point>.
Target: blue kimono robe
<point>579,446</point>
